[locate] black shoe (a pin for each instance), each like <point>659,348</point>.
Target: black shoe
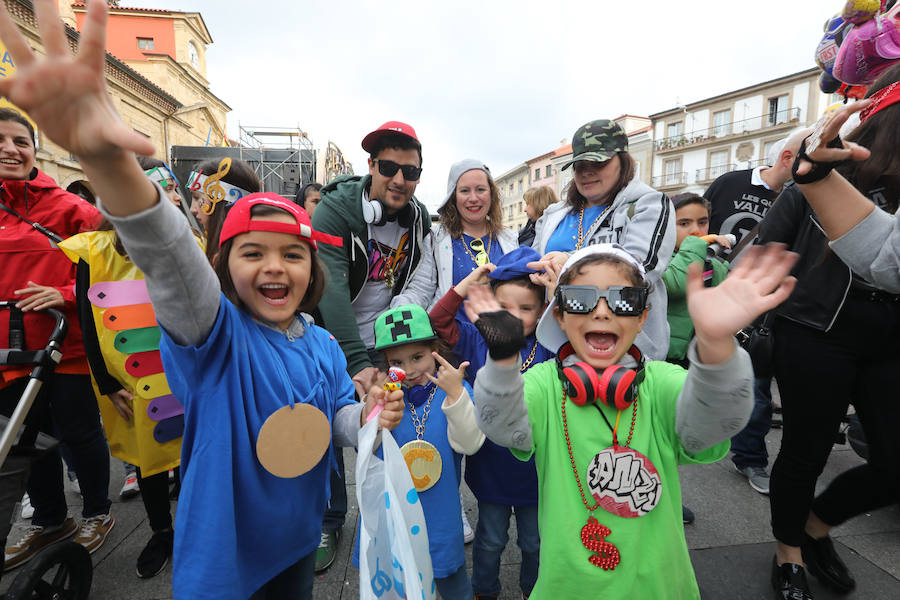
<point>823,561</point>
<point>687,515</point>
<point>789,582</point>
<point>155,555</point>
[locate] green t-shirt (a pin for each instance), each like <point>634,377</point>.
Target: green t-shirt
<point>654,557</point>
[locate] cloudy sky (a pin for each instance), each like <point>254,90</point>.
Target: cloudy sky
<point>498,80</point>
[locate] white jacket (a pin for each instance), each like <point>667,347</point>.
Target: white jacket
<point>642,221</point>
<point>434,276</point>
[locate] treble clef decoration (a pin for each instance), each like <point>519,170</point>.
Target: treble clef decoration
<point>213,189</point>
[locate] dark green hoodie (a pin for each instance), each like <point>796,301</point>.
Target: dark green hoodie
<point>340,213</point>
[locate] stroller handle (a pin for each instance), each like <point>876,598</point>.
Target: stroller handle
<point>59,330</point>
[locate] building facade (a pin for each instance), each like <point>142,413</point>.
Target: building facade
<point>512,186</point>
<point>696,143</point>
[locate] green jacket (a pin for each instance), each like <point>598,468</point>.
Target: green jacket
<point>692,249</point>
<point>340,213</point>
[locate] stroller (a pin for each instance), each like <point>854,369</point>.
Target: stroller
<point>62,570</point>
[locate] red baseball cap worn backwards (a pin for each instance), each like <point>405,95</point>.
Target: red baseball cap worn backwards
<point>390,127</point>
<point>240,221</point>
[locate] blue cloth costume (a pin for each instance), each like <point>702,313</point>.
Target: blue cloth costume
<point>564,238</point>
<point>463,263</point>
<point>229,385</point>
<point>440,503</point>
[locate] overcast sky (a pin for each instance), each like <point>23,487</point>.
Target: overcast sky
<point>502,81</point>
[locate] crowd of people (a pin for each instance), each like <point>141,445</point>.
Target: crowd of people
<point>575,364</point>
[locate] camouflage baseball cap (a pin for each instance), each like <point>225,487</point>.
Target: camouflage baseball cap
<point>597,141</point>
<point>402,325</point>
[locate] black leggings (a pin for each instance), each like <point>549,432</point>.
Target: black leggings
<point>155,495</point>
<point>819,374</point>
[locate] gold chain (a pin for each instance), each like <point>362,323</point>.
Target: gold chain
<point>420,425</point>
<point>530,358</point>
<point>469,252</point>
<point>580,241</point>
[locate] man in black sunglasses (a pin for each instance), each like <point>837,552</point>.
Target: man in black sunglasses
<point>382,226</point>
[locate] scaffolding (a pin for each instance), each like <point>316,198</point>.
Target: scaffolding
<point>284,158</point>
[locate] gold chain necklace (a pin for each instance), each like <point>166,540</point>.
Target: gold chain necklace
<point>530,358</point>
<point>580,241</point>
<point>420,425</point>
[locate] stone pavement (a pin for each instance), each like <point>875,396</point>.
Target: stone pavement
<point>731,543</point>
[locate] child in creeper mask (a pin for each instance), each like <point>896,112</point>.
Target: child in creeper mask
<point>439,423</point>
<point>609,497</point>
<point>501,483</point>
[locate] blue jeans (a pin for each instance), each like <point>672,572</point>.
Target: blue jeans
<point>336,511</point>
<point>491,536</point>
<point>749,445</point>
<point>295,582</point>
<point>456,586</point>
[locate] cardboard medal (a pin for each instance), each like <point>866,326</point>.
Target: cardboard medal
<point>293,440</point>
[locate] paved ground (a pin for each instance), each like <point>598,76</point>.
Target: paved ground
<point>731,543</point>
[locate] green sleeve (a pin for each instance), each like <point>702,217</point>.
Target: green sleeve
<point>692,249</point>
<point>335,306</point>
<point>720,271</point>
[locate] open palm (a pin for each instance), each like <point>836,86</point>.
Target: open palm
<point>760,282</point>
<point>66,95</point>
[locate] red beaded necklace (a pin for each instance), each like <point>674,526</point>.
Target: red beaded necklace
<point>593,534</point>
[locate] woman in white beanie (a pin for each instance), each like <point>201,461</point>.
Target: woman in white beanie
<point>470,233</point>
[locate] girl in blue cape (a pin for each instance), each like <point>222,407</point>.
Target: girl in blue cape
<point>253,376</point>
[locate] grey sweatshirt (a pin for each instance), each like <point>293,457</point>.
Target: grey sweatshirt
<point>714,404</point>
<point>872,250</point>
<point>185,291</point>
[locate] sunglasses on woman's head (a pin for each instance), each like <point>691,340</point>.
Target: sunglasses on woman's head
<point>583,299</point>
<point>389,168</point>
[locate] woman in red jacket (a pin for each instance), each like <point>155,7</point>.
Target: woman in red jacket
<point>29,253</point>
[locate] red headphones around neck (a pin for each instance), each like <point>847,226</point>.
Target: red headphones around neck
<point>616,386</point>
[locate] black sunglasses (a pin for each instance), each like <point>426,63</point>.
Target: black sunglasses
<point>583,299</point>
<point>389,168</point>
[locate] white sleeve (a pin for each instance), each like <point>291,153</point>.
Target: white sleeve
<point>462,431</point>
<point>421,288</point>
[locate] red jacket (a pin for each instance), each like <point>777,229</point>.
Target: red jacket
<point>28,255</point>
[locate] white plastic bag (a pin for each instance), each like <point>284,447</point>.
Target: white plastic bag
<point>394,560</point>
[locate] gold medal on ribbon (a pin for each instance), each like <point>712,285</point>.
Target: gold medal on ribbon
<point>424,463</point>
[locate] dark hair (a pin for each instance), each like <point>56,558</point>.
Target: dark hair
<point>881,135</point>
<point>521,281</point>
<point>396,141</point>
<point>451,221</point>
<point>241,175</point>
<point>148,163</point>
<point>314,289</point>
<point>9,114</point>
<point>626,174</point>
<point>688,198</point>
<point>303,192</point>
<point>625,268</point>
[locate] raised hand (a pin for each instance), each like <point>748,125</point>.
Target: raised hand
<point>477,277</point>
<point>760,282</point>
<point>480,299</point>
<point>549,273</point>
<point>38,297</point>
<point>850,151</point>
<point>449,379</point>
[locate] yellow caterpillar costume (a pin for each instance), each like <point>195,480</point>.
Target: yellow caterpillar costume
<point>128,337</point>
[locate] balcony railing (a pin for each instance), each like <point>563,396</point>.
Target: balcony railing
<point>759,162</point>
<point>669,180</point>
<point>716,131</point>
<point>711,173</point>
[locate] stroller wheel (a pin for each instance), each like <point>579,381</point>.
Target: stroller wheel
<point>61,572</point>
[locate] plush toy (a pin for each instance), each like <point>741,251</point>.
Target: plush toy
<point>869,48</point>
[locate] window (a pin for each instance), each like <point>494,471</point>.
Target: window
<point>778,110</point>
<point>537,174</point>
<point>520,207</point>
<point>193,55</point>
<point>520,186</point>
<point>721,120</point>
<point>718,163</point>
<point>511,189</point>
<point>548,171</point>
<point>675,129</point>
<point>672,172</point>
<point>145,43</point>
<point>767,150</point>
